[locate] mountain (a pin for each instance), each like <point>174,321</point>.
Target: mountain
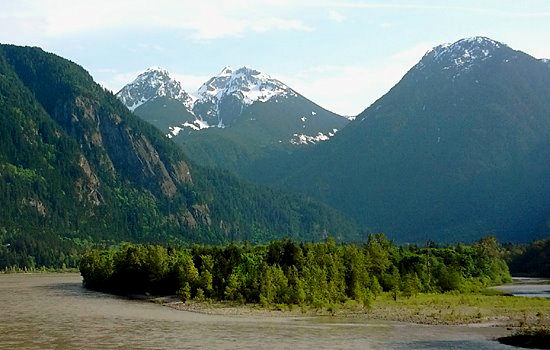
<point>155,82</point>
<point>158,98</point>
<point>458,149</point>
<point>77,167</point>
<point>240,116</point>
<point>222,97</point>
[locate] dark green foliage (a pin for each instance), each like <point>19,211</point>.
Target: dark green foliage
<point>530,260</point>
<point>164,112</point>
<point>258,214</point>
<point>532,337</point>
<point>23,250</point>
<point>284,272</point>
<point>99,267</point>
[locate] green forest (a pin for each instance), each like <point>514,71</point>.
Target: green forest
<point>287,272</point>
<point>529,260</point>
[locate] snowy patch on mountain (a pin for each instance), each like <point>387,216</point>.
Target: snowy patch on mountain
<point>302,139</point>
<point>173,131</point>
<point>461,54</point>
<point>197,124</point>
<point>136,104</point>
<point>154,82</point>
<point>215,87</point>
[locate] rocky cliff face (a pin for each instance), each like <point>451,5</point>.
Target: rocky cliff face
<point>110,162</point>
<point>118,148</point>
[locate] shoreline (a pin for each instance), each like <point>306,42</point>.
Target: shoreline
<point>40,271</point>
<point>504,311</point>
<point>247,310</point>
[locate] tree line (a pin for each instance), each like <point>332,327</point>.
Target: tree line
<point>531,260</point>
<point>287,272</point>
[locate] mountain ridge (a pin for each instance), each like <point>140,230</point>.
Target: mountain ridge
<point>239,116</point>
<point>244,86</point>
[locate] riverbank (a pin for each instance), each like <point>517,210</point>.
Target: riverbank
<point>433,309</point>
<point>9,270</point>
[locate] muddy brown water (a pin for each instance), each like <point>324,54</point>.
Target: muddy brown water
<point>54,311</point>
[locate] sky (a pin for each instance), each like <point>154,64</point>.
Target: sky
<point>343,55</point>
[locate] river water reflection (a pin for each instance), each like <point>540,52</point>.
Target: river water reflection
<point>527,287</point>
<point>54,311</point>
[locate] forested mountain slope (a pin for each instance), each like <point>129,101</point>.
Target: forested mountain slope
<point>76,165</point>
<point>457,149</point>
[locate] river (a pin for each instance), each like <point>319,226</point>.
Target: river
<point>527,287</point>
<point>54,311</point>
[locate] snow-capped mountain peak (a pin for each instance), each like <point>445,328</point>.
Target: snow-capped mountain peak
<point>240,87</point>
<point>215,85</point>
<point>463,53</point>
<point>246,84</point>
<point>157,70</point>
<point>154,82</point>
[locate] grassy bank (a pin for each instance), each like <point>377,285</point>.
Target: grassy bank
<point>457,308</point>
<point>424,308</point>
<point>43,269</point>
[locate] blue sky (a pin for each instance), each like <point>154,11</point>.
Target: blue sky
<point>342,55</point>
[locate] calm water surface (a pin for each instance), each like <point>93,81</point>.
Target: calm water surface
<point>527,287</point>
<point>53,311</point>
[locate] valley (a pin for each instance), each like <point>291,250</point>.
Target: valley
<point>357,174</point>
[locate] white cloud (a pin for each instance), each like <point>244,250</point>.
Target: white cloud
<point>336,16</point>
<point>191,82</point>
<point>115,80</point>
<point>112,79</point>
<point>413,54</point>
<point>407,5</point>
<point>347,89</point>
<point>533,48</point>
<point>279,24</point>
<point>202,20</point>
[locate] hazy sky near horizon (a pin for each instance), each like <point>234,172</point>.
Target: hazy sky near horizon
<point>342,55</point>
